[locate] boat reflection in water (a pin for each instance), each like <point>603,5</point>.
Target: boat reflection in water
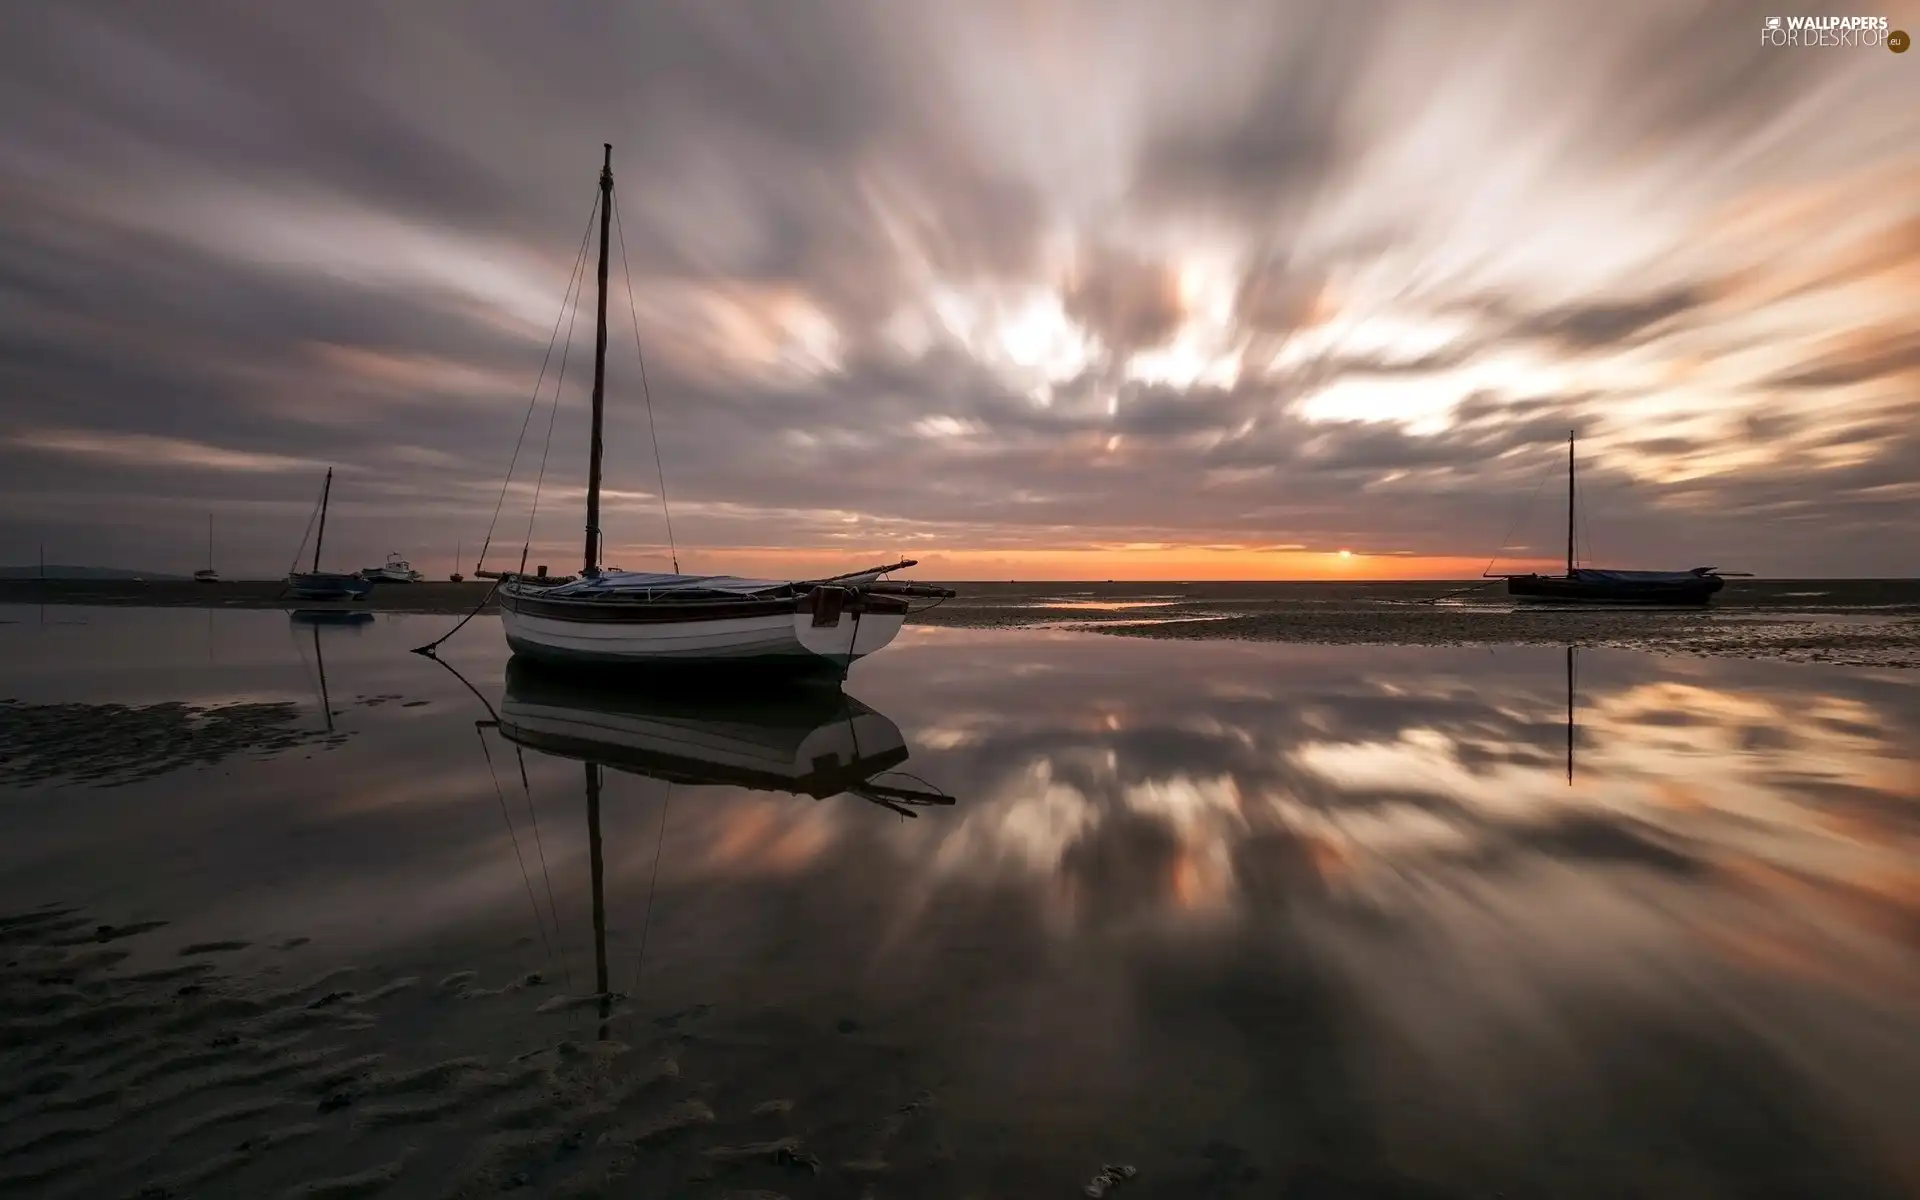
<point>312,619</point>
<point>810,740</point>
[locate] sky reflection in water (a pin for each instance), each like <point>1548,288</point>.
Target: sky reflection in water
<point>1306,907</point>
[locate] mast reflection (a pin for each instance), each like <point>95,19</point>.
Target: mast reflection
<point>803,740</point>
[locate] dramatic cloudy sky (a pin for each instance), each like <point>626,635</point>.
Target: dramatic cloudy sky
<point>1019,289</point>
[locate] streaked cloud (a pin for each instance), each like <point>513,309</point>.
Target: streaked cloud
<point>991,279</point>
<point>122,449</point>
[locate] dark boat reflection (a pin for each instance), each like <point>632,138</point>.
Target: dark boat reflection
<point>312,620</point>
<point>1569,716</point>
<point>806,740</point>
<point>330,616</point>
<point>803,740</point>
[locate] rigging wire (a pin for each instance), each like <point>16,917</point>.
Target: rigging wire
<point>1518,518</point>
<point>569,302</point>
<point>919,779</point>
<point>306,669</point>
<point>553,909</point>
<point>653,436</point>
<point>1586,537</point>
<point>546,448</point>
<point>579,262</point>
<point>294,566</point>
<point>646,920</point>
<point>515,839</point>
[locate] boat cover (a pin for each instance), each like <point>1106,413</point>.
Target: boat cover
<point>1590,575</point>
<point>660,582</point>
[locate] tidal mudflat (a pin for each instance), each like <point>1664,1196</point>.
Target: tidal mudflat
<point>1873,622</point>
<point>285,911</point>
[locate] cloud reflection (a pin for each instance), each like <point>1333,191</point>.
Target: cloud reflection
<point>1190,893</point>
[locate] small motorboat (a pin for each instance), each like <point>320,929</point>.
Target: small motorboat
<point>395,570</point>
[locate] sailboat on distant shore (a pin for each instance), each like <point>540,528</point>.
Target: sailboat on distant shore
<point>1588,585</point>
<point>207,574</point>
<point>316,584</point>
<point>605,618</point>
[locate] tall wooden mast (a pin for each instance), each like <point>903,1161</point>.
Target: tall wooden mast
<point>592,565</point>
<point>326,490</point>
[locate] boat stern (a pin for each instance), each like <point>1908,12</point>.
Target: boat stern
<point>843,624</point>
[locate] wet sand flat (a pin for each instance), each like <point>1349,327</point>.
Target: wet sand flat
<point>431,597</point>
<point>285,912</point>
<point>1849,622</point>
<point>269,1077</point>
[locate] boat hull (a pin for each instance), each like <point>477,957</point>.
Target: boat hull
<point>781,633</point>
<point>326,585</point>
<point>1695,591</point>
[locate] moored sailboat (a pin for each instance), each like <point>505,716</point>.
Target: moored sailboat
<point>316,584</point>
<point>621,618</point>
<point>1589,585</point>
<point>207,574</point>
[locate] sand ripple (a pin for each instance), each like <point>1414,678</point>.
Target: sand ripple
<point>108,745</point>
<point>213,1077</point>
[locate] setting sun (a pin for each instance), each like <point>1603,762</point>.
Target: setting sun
<point>1346,554</point>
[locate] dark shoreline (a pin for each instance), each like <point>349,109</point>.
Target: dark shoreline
<point>999,602</point>
<point>1848,622</point>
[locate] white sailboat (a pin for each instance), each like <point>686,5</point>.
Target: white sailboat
<point>641,618</point>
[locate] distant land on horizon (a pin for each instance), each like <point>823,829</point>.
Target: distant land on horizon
<point>66,571</point>
<point>70,572</point>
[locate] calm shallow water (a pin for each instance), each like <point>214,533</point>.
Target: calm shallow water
<point>1256,919</point>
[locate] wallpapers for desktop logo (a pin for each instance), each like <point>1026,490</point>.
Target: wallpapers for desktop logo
<point>1833,31</point>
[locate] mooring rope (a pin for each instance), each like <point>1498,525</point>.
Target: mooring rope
<point>430,647</point>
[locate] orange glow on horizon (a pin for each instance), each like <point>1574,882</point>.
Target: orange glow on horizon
<point>1081,564</point>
